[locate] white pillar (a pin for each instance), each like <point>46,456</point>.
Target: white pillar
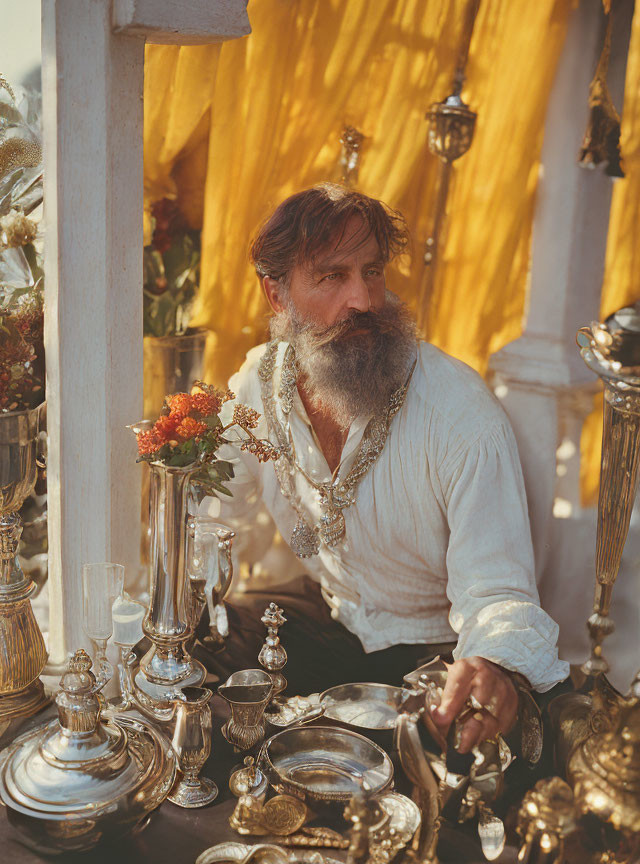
<point>543,384</point>
<point>93,67</point>
<point>92,116</point>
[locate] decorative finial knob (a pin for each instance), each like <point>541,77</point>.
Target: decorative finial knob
<point>80,662</point>
<point>273,617</point>
<point>78,705</point>
<point>272,656</point>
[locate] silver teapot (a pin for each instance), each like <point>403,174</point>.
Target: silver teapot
<point>74,780</point>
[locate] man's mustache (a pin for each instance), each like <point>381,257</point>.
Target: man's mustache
<point>375,323</point>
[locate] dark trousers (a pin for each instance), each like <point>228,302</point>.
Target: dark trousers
<point>321,652</point>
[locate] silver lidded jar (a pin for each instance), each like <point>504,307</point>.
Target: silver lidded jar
<point>80,778</point>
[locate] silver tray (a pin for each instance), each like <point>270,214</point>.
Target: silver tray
<point>261,853</point>
<point>363,706</point>
<point>324,764</point>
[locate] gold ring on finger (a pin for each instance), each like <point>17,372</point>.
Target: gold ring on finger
<point>490,708</point>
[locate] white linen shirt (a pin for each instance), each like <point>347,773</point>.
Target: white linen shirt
<point>438,545</point>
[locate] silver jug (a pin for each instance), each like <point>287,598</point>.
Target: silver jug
<point>210,570</point>
<point>192,744</point>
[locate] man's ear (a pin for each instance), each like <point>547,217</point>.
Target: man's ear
<point>274,293</point>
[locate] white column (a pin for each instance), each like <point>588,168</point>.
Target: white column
<point>93,68</point>
<point>92,97</point>
<point>543,384</point>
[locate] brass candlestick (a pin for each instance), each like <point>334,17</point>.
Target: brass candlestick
<point>598,729</point>
<point>612,351</point>
<point>22,649</point>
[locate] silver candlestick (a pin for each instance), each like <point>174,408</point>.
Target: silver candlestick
<point>272,656</point>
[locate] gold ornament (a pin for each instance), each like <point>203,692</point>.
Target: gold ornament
<point>281,815</point>
<point>605,772</point>
<point>601,141</point>
<point>546,818</point>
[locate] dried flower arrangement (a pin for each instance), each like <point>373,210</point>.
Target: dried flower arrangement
<point>21,277</point>
<point>189,430</point>
<point>21,319</point>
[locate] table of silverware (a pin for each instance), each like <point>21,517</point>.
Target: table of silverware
<point>322,783</point>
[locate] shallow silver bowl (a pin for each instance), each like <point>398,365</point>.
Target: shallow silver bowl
<point>324,764</point>
<point>363,706</point>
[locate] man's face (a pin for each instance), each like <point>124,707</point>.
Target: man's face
<point>346,277</point>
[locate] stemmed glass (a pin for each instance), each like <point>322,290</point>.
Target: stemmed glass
<point>101,584</point>
<point>128,616</point>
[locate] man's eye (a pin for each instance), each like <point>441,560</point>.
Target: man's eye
<point>373,271</point>
<point>330,277</point>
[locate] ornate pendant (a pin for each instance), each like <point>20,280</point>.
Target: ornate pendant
<point>332,527</point>
<point>304,540</point>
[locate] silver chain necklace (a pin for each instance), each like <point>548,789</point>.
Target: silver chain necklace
<point>335,495</point>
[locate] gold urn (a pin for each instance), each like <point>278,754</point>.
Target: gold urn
<point>22,650</point>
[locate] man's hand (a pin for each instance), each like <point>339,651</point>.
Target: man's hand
<point>491,687</point>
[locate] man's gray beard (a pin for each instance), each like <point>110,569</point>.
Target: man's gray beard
<point>351,375</point>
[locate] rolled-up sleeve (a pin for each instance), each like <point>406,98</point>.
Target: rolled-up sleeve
<point>495,607</point>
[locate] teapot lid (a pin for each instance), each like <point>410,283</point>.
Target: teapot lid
<point>78,762</point>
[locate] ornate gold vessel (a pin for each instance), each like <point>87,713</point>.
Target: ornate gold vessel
<point>22,649</point>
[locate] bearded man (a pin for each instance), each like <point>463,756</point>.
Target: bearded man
<point>399,484</point>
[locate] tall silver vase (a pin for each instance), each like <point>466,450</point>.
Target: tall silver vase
<point>167,667</point>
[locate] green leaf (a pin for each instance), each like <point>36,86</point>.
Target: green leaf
<point>179,460</point>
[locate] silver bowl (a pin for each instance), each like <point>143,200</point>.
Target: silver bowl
<point>324,764</point>
<point>363,706</point>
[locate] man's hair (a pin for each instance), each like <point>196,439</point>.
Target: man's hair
<point>308,221</point>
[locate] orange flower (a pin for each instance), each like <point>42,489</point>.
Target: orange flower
<point>165,426</point>
<point>190,428</point>
<point>206,404</point>
<point>148,443</point>
<point>179,404</point>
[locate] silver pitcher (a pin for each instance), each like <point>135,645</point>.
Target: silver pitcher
<point>167,668</point>
<point>247,693</point>
<point>22,650</point>
<point>192,744</point>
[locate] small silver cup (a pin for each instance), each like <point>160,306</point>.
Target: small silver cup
<point>247,693</point>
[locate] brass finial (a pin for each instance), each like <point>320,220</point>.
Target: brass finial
<point>80,662</point>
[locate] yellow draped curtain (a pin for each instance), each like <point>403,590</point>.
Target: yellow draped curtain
<point>621,283</point>
<point>231,130</point>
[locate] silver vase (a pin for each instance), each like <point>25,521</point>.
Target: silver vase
<point>167,667</point>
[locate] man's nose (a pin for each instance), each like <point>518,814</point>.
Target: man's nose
<point>359,299</point>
